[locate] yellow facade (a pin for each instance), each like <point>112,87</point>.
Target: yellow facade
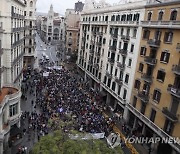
<point>164,25</point>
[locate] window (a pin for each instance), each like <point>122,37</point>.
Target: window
<point>165,57</point>
<point>146,34</point>
<point>143,107</point>
<point>157,95</point>
<point>161,75</point>
<point>31,4</point>
<point>70,34</point>
<point>30,13</point>
<point>119,89</point>
<point>104,41</point>
<point>130,62</point>
<point>141,66</point>
<point>134,32</point>
<point>124,94</point>
<point>132,48</point>
<point>122,31</point>
<point>153,115</point>
<point>137,84</point>
<point>13,109</point>
<point>173,15</point>
<point>127,78</point>
<point>115,72</point>
<point>168,37</point>
<point>113,86</point>
<point>134,101</point>
<point>143,51</point>
<point>149,16</point>
<point>160,16</point>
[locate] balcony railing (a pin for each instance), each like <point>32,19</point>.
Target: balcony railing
<point>153,126</point>
<point>178,47</point>
<point>112,48</point>
<point>18,42</point>
<point>1,51</point>
<point>171,116</point>
<point>125,37</point>
<point>120,65</point>
<point>118,80</point>
<point>150,61</point>
<point>110,60</point>
<point>97,54</point>
<point>114,35</point>
<point>18,58</point>
<point>91,51</point>
<point>143,96</point>
<point>173,90</point>
<point>154,43</point>
<point>123,52</point>
<point>96,66</point>
<point>109,75</point>
<point>1,27</point>
<point>90,62</point>
<point>99,43</point>
<point>147,78</point>
<point>176,69</point>
<point>161,24</point>
<point>100,33</point>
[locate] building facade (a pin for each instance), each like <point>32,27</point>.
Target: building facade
<point>72,22</point>
<point>12,29</point>
<point>155,99</point>
<point>30,52</point>
<point>52,27</point>
<point>108,50</point>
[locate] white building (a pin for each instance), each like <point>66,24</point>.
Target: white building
<point>30,16</point>
<point>108,50</point>
<point>13,28</point>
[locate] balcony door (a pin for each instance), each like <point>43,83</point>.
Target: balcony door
<point>174,105</point>
<point>177,82</point>
<point>157,35</point>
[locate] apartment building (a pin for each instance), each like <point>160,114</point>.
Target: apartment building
<point>13,28</point>
<point>155,98</point>
<point>72,22</point>
<point>30,18</point>
<point>108,50</point>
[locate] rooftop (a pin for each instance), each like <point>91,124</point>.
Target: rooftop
<point>7,91</point>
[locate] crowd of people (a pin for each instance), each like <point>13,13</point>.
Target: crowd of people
<point>60,93</point>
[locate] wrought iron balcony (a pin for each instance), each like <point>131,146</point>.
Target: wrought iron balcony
<point>125,37</point>
<point>171,116</point>
<point>154,43</point>
<point>147,78</point>
<point>112,48</point>
<point>114,35</point>
<point>96,66</point>
<point>90,62</point>
<point>82,47</point>
<point>109,75</point>
<point>111,60</point>
<point>83,38</point>
<point>178,47</point>
<point>97,54</point>
<point>99,43</point>
<point>143,96</point>
<point>91,51</point>
<point>173,90</point>
<point>1,51</point>
<point>150,61</point>
<point>118,80</point>
<point>120,65</point>
<point>176,69</point>
<point>100,33</point>
<point>123,52</point>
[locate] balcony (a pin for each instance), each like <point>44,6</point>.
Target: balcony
<point>173,90</point>
<point>110,60</point>
<point>1,51</point>
<point>125,37</point>
<point>150,61</point>
<point>161,24</point>
<point>178,47</point>
<point>99,43</point>
<point>147,78</point>
<point>143,96</point>
<point>97,54</point>
<point>2,68</point>
<point>119,80</point>
<point>121,66</point>
<point>176,69</point>
<point>1,27</point>
<point>112,48</point>
<point>114,35</point>
<point>17,58</point>
<point>171,116</point>
<point>83,38</point>
<point>91,51</point>
<point>96,66</point>
<point>154,43</point>
<point>21,41</point>
<point>109,75</point>
<point>123,52</point>
<point>100,33</point>
<point>90,62</point>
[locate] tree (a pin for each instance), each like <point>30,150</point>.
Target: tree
<point>60,143</point>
